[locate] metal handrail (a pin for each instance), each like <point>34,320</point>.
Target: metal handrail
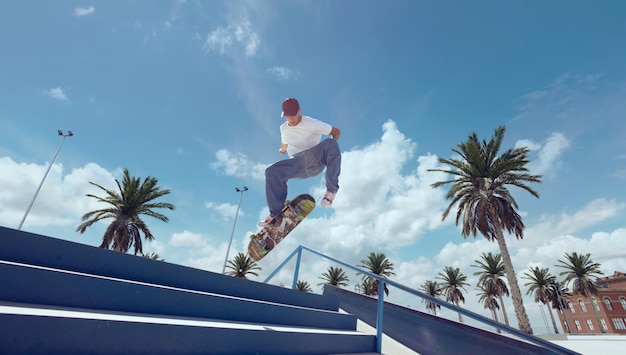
<point>381,294</point>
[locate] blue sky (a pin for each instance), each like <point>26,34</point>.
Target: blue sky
<point>189,92</point>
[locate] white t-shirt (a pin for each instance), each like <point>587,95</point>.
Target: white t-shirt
<point>303,136</point>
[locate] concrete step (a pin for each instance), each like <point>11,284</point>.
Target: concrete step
<point>65,330</point>
<point>29,248</point>
<point>37,285</point>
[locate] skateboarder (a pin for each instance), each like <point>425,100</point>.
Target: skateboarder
<point>308,156</point>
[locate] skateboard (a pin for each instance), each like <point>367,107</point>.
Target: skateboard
<point>280,226</point>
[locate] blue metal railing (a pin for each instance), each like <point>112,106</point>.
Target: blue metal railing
<point>381,294</point>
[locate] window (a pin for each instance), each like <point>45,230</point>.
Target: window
<point>595,304</point>
<point>589,324</point>
<point>619,323</point>
<point>578,324</point>
<point>607,302</point>
<point>582,306</point>
<point>622,300</point>
<point>571,306</point>
<point>603,325</point>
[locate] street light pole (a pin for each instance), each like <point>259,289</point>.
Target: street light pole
<point>241,191</point>
<point>69,134</point>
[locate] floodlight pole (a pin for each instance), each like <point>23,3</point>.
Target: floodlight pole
<point>63,135</point>
<point>241,191</point>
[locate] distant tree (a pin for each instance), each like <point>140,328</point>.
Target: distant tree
<point>453,285</point>
<point>582,272</point>
<point>303,286</point>
<point>152,255</point>
<point>133,200</point>
<point>541,285</point>
<point>378,264</point>
<point>557,294</point>
<point>241,266</point>
<point>493,273</point>
<point>366,286</point>
<point>483,201</point>
<point>335,276</point>
<point>488,296</point>
<point>433,289</point>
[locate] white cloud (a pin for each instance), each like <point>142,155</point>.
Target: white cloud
<point>223,39</point>
<point>187,239</point>
<point>154,246</point>
<point>548,154</point>
<point>566,97</point>
<point>251,44</point>
<point>61,203</point>
<point>283,73</point>
<point>57,94</point>
<point>559,226</point>
<point>199,252</point>
<point>81,11</point>
<point>225,210</point>
<point>219,40</point>
<point>236,164</point>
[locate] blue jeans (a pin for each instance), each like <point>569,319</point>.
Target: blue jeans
<point>305,164</point>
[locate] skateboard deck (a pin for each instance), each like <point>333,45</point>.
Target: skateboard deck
<point>280,226</point>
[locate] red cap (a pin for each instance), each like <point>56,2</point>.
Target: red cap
<point>290,107</point>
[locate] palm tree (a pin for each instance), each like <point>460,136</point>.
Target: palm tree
<point>378,264</point>
<point>583,272</point>
<point>484,202</point>
<point>134,199</point>
<point>433,289</point>
<point>559,302</point>
<point>242,266</point>
<point>580,269</point>
<point>335,276</point>
<point>541,283</point>
<point>487,294</point>
<point>493,274</point>
<point>453,282</point>
<point>303,286</point>
<point>366,286</point>
<point>152,255</point>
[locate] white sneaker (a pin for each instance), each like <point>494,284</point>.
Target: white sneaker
<point>264,222</point>
<point>327,200</point>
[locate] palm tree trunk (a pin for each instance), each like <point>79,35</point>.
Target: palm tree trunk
<point>506,317</point>
<point>595,311</point>
<point>494,313</point>
<point>516,294</point>
<point>556,330</point>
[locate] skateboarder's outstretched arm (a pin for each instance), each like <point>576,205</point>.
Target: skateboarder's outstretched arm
<point>283,148</point>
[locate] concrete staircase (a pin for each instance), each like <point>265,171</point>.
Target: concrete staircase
<point>62,297</point>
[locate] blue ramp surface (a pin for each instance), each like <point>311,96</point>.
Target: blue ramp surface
<point>428,334</point>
